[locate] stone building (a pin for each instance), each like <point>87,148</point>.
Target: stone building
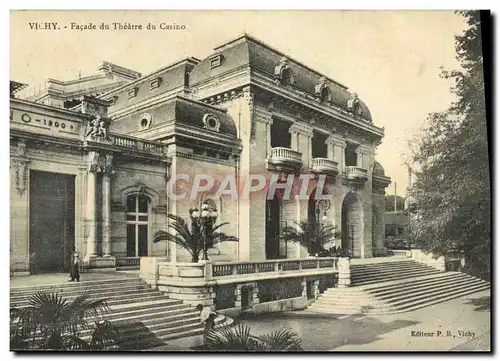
<point>91,158</point>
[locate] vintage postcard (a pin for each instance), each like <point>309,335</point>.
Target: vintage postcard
<point>249,181</point>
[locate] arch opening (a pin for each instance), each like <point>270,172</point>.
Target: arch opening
<point>352,224</point>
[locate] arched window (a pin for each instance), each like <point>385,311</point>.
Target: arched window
<point>325,95</point>
<point>286,77</point>
<point>138,209</point>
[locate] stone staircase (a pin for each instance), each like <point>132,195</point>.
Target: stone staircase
<point>146,318</point>
<point>393,287</point>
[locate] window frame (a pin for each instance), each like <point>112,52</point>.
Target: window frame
<point>136,222</point>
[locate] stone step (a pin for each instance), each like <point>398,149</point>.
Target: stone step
<point>106,293</point>
<point>122,299</point>
<point>396,294</point>
<point>383,264</point>
<point>370,280</point>
<point>427,295</point>
<point>441,298</point>
<point>363,272</point>
<point>412,282</point>
<point>390,266</point>
<point>77,286</point>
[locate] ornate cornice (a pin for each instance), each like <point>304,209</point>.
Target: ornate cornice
<point>336,140</point>
<point>300,128</point>
<point>204,158</point>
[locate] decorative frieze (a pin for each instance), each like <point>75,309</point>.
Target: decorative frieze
<point>298,128</point>
<point>20,174</point>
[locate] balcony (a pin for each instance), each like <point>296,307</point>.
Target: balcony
<point>356,174</point>
<point>325,166</point>
<point>285,159</point>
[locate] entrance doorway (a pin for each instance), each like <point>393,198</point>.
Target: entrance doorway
<point>52,221</point>
<point>273,219</point>
<point>352,224</point>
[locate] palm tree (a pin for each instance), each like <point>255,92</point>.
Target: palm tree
<point>51,322</point>
<point>192,240</point>
<point>312,235</point>
<point>240,338</point>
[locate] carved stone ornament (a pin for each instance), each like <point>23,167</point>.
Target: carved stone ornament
<point>211,122</point>
<point>93,162</point>
<point>21,175</point>
<point>321,90</point>
<point>107,167</point>
<point>282,73</point>
<point>97,128</point>
<point>145,121</point>
<point>354,105</point>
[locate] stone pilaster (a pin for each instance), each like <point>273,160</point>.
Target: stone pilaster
<point>344,266</point>
<point>302,141</point>
<point>107,171</point>
<point>90,219</point>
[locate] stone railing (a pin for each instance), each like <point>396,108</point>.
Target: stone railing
<point>324,165</point>
<point>224,269</point>
<point>137,144</point>
<point>128,261</point>
<point>356,173</point>
<point>236,286</point>
<point>400,252</point>
<point>285,155</point>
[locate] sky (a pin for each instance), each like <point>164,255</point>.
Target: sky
<point>391,59</point>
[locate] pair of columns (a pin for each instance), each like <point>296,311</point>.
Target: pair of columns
<point>106,170</point>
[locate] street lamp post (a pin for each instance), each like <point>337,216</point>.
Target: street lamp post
<point>204,219</point>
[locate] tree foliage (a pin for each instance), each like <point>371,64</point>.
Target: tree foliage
<point>192,239</point>
<point>312,235</point>
<point>52,322</point>
<point>240,338</point>
<point>450,161</point>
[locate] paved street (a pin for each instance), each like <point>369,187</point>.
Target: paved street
<point>322,332</point>
<point>326,332</point>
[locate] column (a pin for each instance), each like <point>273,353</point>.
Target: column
<point>106,205</point>
<point>294,139</point>
<point>330,151</point>
<point>359,158</point>
<point>90,207</point>
<point>268,136</point>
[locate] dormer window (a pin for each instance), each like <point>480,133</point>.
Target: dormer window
<point>283,74</point>
<point>322,91</point>
<point>286,77</point>
<point>215,61</point>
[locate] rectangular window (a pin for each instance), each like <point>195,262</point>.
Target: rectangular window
<point>143,240</point>
<point>131,240</point>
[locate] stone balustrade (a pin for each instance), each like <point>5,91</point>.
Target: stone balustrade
<point>325,166</point>
<point>356,173</point>
<point>238,286</point>
<point>138,144</point>
<point>285,158</point>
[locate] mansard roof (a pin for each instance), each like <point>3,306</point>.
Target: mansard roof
<point>246,51</point>
<point>192,112</point>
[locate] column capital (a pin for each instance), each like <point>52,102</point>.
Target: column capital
<point>335,140</point>
<point>107,168</point>
<point>298,128</point>
<point>20,174</point>
<point>92,161</point>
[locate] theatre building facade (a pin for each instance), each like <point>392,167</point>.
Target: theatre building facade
<point>93,159</point>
